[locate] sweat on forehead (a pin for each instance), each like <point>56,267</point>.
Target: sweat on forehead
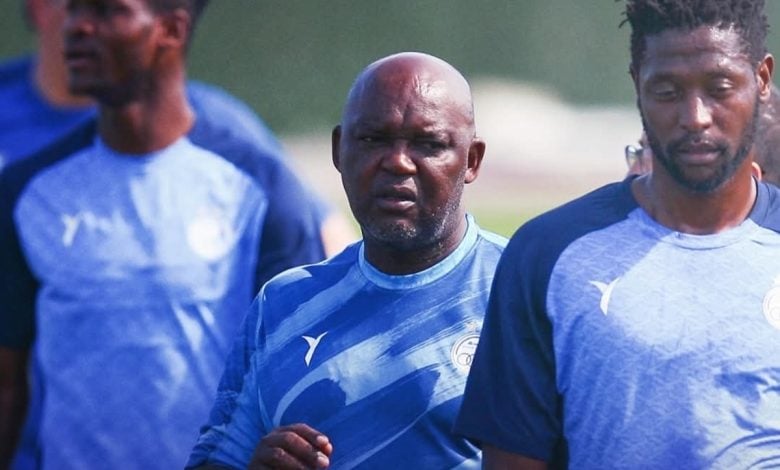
<point>429,76</point>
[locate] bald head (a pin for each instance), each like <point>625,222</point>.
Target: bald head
<point>405,148</point>
<point>423,75</point>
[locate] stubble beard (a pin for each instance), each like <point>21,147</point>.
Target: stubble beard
<point>429,229</point>
<point>729,162</point>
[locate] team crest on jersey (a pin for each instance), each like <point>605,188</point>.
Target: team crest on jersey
<point>210,235</point>
<point>772,305</point>
<point>462,352</point>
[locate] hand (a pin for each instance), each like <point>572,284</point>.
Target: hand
<point>293,447</point>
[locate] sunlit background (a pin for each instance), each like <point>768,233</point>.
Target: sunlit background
<point>553,97</point>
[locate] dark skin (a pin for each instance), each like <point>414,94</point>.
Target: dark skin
<point>711,102</point>
<point>132,61</point>
<point>13,400</point>
<point>697,88</point>
<point>405,149</point>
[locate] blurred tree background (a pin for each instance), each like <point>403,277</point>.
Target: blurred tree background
<point>293,61</point>
<point>554,99</point>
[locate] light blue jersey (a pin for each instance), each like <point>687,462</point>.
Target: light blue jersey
<point>632,345</point>
<point>133,273</point>
<point>29,123</point>
<point>375,362</point>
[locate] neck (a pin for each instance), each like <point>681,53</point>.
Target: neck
<point>149,123</point>
<point>395,261</point>
<point>696,213</point>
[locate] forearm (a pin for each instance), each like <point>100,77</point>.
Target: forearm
<point>13,401</point>
<point>497,459</point>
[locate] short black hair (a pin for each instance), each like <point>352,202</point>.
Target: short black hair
<point>651,17</point>
<point>193,7</point>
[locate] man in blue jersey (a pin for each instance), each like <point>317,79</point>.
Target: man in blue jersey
<point>360,361</point>
<point>639,326</point>
<point>39,109</point>
<point>132,247</point>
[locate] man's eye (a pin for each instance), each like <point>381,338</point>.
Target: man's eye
<point>721,89</point>
<point>432,144</point>
<point>664,94</point>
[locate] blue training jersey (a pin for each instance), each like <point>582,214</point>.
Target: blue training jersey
<point>376,362</point>
<point>629,345</point>
<point>133,273</point>
<point>29,123</point>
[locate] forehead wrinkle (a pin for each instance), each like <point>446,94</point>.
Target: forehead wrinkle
<point>426,74</point>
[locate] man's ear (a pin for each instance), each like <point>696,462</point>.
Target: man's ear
<point>176,28</point>
<point>475,156</point>
<point>764,75</point>
<point>756,170</point>
<point>335,141</point>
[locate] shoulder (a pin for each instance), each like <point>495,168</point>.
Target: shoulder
<point>766,211</point>
<point>239,149</point>
<point>15,177</point>
<point>15,70</point>
<point>545,237</point>
<point>294,286</point>
<point>229,115</point>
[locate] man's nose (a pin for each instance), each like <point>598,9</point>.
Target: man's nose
<point>398,158</point>
<point>695,114</point>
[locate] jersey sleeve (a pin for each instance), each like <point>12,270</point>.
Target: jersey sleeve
<point>234,426</point>
<point>18,287</point>
<point>291,230</point>
<point>511,399</point>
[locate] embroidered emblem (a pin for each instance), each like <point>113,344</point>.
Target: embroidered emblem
<point>210,235</point>
<point>462,352</point>
<point>606,293</point>
<point>313,343</point>
<point>772,305</point>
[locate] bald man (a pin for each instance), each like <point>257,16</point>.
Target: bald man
<point>362,360</point>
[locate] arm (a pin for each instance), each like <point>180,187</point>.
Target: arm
<point>13,400</point>
<point>494,458</point>
<point>18,290</point>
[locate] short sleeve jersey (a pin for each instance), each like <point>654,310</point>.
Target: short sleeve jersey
<point>629,345</point>
<point>29,123</point>
<point>133,273</point>
<point>376,362</point>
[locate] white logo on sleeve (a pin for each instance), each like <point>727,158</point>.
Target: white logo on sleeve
<point>313,343</point>
<point>606,293</point>
<point>772,305</point>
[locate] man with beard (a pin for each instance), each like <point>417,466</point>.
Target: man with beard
<point>639,326</point>
<point>361,360</point>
